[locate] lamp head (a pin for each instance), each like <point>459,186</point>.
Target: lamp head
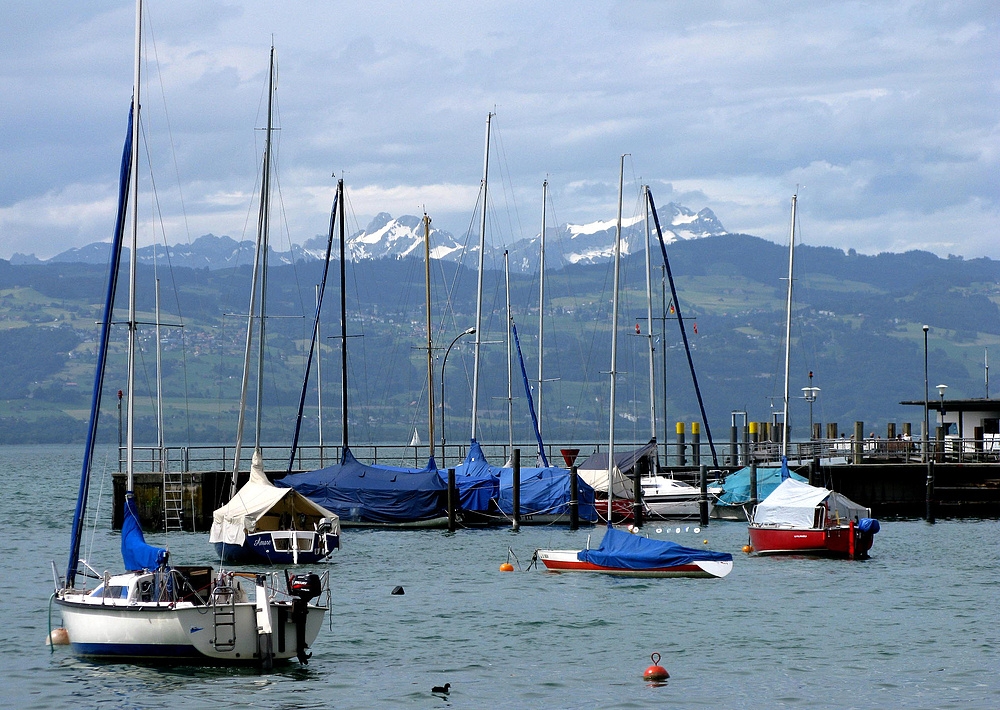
<point>469,331</point>
<point>941,389</point>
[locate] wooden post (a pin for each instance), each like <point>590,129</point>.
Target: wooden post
<point>813,468</point>
<point>696,443</point>
<point>641,469</point>
<point>734,457</point>
<point>516,498</point>
<point>890,431</point>
<point>831,430</point>
<point>753,485</point>
<point>574,498</point>
<point>452,497</point>
<point>703,500</point>
<point>859,441</point>
<point>929,514</point>
<point>681,458</point>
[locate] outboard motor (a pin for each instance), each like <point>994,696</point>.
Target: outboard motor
<point>325,526</point>
<point>303,588</point>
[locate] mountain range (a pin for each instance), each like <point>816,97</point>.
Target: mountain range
<point>387,237</point>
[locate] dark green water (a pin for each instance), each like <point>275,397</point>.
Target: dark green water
<point>916,626</point>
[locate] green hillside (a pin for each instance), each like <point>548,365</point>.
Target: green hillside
<point>857,327</point>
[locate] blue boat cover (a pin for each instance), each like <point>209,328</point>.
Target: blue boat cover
<point>736,486</point>
<point>477,482</point>
<point>373,494</point>
<point>544,490</point>
<point>626,550</point>
<point>136,554</point>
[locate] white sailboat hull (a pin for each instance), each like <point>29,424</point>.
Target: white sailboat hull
<point>121,619</point>
<point>161,632</point>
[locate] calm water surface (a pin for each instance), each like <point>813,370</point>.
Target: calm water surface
<point>917,626</point>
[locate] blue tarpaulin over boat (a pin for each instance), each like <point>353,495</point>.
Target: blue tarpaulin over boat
<point>629,551</point>
<point>545,491</point>
<point>477,482</point>
<point>373,494</point>
<point>136,553</point>
<point>736,486</point>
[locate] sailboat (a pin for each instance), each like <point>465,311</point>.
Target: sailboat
<point>261,522</point>
<point>797,517</point>
<point>152,610</point>
<point>620,552</point>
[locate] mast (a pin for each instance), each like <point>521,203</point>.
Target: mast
<point>318,340</point>
<point>479,287</point>
<point>255,286</point>
<point>614,339</point>
<point>159,377</point>
<point>343,317</point>
<point>430,340</point>
<point>788,331</point>
<point>510,372</point>
<point>541,304</point>
<point>133,244</point>
<point>265,227</point>
<point>649,329</point>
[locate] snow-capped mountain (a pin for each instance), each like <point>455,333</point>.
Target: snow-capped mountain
<point>386,237</point>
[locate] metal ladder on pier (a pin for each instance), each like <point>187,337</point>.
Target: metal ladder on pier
<point>173,500</point>
<point>224,618</point>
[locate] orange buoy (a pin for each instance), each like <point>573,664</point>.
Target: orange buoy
<point>58,637</point>
<point>506,567</point>
<point>655,672</point>
<point>747,549</point>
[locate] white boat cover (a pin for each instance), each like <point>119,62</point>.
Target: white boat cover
<point>793,504</point>
<point>598,480</point>
<point>252,502</point>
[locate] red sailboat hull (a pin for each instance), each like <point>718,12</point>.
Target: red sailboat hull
<point>834,541</point>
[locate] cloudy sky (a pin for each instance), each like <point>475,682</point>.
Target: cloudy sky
<point>885,113</point>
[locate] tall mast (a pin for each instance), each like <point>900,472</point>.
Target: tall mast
<point>649,325</point>
<point>479,288</point>
<point>343,314</point>
<point>510,372</point>
<point>264,222</point>
<point>614,339</point>
<point>159,376</point>
<point>319,380</point>
<point>133,242</point>
<point>788,331</point>
<point>541,305</point>
<point>430,340</point>
<point>255,302</point>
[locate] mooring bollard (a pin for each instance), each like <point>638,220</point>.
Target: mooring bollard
<point>574,498</point>
<point>703,502</point>
<point>696,443</point>
<point>516,498</point>
<point>452,497</point>
<point>681,458</point>
<point>641,469</point>
<point>753,485</point>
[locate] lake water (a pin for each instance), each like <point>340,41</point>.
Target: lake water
<point>916,626</point>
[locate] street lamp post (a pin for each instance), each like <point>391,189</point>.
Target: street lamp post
<point>810,393</point>
<point>941,389</point>
<point>467,331</point>
<point>929,497</point>
<point>923,446</point>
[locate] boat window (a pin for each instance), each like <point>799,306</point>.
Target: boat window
<point>114,592</point>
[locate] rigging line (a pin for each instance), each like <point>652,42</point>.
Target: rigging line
<point>505,183</point>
